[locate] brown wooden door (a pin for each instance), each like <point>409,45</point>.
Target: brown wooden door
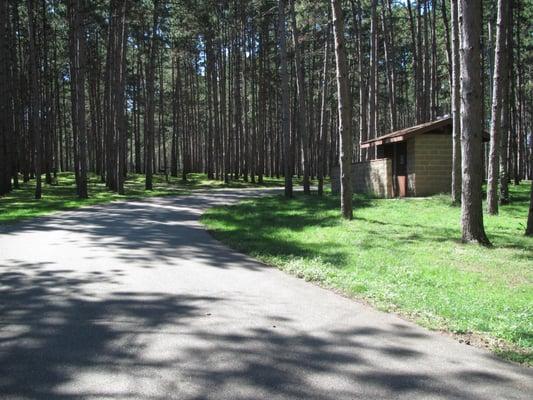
<point>400,161</point>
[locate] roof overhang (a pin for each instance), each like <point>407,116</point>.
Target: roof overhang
<point>443,125</point>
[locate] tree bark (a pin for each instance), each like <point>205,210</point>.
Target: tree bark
<point>415,56</point>
<point>373,78</point>
<point>500,83</point>
<point>471,123</point>
<point>448,41</point>
<point>284,99</point>
<point>6,111</point>
<point>345,109</point>
<point>388,47</point>
<point>211,104</point>
<point>505,118</point>
<point>121,117</point>
<point>35,102</point>
<point>456,105</point>
<point>302,106</point>
<point>363,86</point>
<point>322,138</point>
<point>262,99</point>
<point>426,68</point>
<point>77,72</point>
<point>529,226</point>
<point>150,100</point>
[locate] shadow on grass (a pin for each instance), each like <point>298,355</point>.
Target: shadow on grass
<point>252,226</point>
<point>200,181</point>
<point>61,195</point>
<point>304,235</point>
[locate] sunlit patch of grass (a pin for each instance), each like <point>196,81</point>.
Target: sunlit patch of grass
<point>400,255</point>
<point>61,194</point>
<point>198,180</point>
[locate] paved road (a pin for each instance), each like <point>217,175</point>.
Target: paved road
<point>136,301</point>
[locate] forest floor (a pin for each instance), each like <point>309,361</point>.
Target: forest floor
<point>402,256</point>
<point>61,194</point>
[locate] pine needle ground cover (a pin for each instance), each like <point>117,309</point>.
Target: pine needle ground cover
<point>402,256</point>
<point>61,195</point>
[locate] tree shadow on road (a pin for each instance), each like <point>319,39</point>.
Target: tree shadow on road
<point>155,231</point>
<point>58,340</point>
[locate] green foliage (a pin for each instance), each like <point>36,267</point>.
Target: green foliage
<point>402,256</point>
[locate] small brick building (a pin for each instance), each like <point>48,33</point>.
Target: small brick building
<point>416,161</point>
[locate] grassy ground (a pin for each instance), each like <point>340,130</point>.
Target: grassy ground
<point>61,195</point>
<point>402,256</point>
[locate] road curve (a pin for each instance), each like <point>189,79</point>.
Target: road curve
<point>135,300</point>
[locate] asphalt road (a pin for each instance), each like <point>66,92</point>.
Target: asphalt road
<point>135,300</point>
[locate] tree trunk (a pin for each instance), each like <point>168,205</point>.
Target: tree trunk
<point>426,67</point>
<point>120,115</point>
<point>345,110</point>
<point>150,100</point>
<point>77,72</point>
<point>322,137</point>
<point>262,98</point>
<point>416,62</point>
<point>456,105</point>
<point>138,96</point>
<point>373,78</point>
<point>302,106</point>
<point>35,101</point>
<point>434,77</point>
<point>471,123</point>
<point>237,102</point>
<point>448,41</point>
<point>500,83</point>
<point>6,111</point>
<point>529,227</point>
<point>211,91</point>
<point>284,99</point>
<point>505,123</point>
<point>174,143</point>
<point>388,47</point>
<point>363,87</point>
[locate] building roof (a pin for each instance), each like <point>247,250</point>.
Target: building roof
<point>442,125</point>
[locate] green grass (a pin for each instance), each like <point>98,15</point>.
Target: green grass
<point>61,195</point>
<point>402,256</point>
<point>196,180</point>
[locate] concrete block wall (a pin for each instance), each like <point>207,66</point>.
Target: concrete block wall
<point>432,164</point>
<point>373,177</point>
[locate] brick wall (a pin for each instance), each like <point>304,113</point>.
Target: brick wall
<point>373,177</point>
<point>432,164</point>
<point>429,165</point>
